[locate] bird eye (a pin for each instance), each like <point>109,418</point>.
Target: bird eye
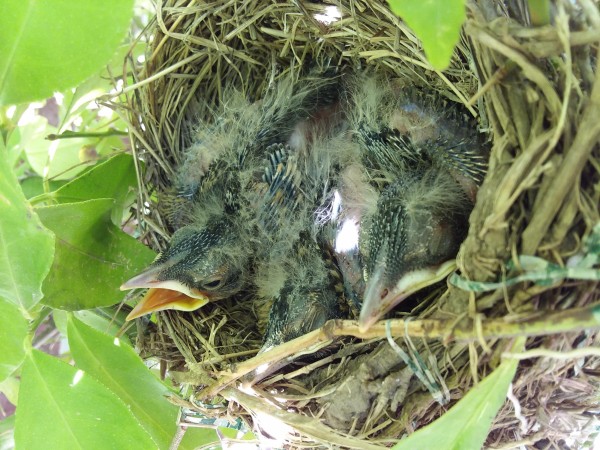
<point>213,284</point>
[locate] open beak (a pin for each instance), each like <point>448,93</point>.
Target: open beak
<point>380,299</point>
<point>163,295</point>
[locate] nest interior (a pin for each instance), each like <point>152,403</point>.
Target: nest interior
<point>534,89</point>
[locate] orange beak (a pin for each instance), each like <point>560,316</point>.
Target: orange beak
<point>157,299</point>
<point>163,295</point>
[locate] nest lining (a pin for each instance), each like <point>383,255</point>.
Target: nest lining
<point>534,88</point>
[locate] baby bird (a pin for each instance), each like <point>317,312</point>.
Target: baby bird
<point>424,162</point>
<point>202,264</point>
<point>241,188</point>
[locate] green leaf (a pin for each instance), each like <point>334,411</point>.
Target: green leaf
<point>26,247</point>
<point>52,45</point>
<point>13,331</point>
<point>466,424</point>
<point>75,101</point>
<point>107,145</point>
<point>59,317</point>
<point>108,321</point>
<point>34,186</point>
<point>93,257</point>
<point>63,407</point>
<point>120,369</point>
<point>436,23</point>
<point>10,389</point>
<point>114,178</point>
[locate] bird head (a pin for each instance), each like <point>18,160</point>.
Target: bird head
<point>412,239</point>
<point>201,265</point>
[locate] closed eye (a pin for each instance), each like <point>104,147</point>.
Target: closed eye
<point>213,284</point>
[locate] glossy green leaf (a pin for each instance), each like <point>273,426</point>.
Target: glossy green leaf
<point>63,407</point>
<point>114,178</point>
<point>466,424</point>
<point>93,257</point>
<point>436,23</point>
<point>13,331</point>
<point>26,247</point>
<point>120,369</point>
<point>51,45</point>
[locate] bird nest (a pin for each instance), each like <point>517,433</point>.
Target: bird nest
<point>534,90</point>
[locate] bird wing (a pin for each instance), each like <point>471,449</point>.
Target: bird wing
<point>280,188</point>
<point>311,295</point>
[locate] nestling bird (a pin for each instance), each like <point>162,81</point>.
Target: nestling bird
<point>243,196</point>
<point>424,160</point>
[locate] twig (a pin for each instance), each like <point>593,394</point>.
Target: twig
<point>544,352</point>
<point>90,134</point>
<point>554,322</point>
